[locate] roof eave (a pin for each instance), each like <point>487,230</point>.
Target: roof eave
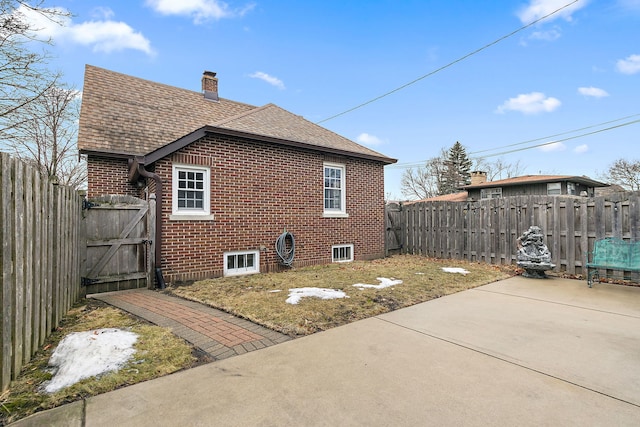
<point>180,143</point>
<point>579,179</point>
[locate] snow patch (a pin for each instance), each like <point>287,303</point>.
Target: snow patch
<point>82,355</point>
<point>384,283</point>
<point>455,270</point>
<point>275,291</point>
<point>296,294</point>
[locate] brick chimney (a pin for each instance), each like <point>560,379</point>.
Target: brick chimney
<point>210,85</point>
<point>478,177</point>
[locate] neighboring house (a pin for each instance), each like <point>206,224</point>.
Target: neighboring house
<point>460,196</point>
<point>548,185</point>
<point>230,177</point>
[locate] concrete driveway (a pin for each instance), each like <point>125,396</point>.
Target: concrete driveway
<point>515,352</point>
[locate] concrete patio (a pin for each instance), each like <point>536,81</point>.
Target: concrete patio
<point>515,352</point>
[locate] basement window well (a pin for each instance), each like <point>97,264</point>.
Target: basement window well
<point>342,253</point>
<point>239,263</point>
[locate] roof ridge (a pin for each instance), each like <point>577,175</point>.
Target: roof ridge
<point>243,114</point>
<point>257,110</point>
<point>106,70</point>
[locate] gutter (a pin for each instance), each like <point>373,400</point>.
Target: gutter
<point>136,169</point>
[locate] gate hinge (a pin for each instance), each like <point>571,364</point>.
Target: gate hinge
<point>85,281</point>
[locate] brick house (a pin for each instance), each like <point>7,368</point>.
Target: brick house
<point>229,177</point>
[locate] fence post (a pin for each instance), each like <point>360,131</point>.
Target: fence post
<point>6,261</point>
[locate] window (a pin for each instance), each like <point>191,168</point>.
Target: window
<point>571,188</point>
<point>491,193</point>
<point>554,188</point>
<point>191,193</point>
<point>334,190</point>
<point>342,253</point>
<point>238,263</point>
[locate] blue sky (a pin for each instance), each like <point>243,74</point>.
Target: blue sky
<point>575,70</point>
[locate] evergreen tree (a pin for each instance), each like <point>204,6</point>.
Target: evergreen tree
<point>457,170</point>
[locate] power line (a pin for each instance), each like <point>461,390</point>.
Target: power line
<point>554,136</point>
<point>421,163</point>
<point>449,64</point>
<point>561,140</point>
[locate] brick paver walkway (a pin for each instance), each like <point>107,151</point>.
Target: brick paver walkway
<point>218,333</point>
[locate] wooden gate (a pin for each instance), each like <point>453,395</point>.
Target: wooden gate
<point>393,227</point>
<point>119,249</point>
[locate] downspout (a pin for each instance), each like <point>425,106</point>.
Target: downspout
<point>158,258</point>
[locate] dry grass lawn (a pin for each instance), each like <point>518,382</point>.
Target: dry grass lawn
<point>158,353</point>
<point>261,298</point>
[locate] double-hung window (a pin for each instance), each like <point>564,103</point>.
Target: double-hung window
<point>334,190</point>
<point>191,192</point>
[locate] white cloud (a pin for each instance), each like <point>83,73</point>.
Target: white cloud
<point>593,91</point>
<point>367,139</point>
<point>554,146</point>
<point>581,149</point>
<point>102,35</point>
<point>536,9</point>
<point>102,12</point>
<point>274,81</point>
<point>530,103</point>
<point>633,5</point>
<point>199,10</point>
<point>629,65</point>
<point>547,36</point>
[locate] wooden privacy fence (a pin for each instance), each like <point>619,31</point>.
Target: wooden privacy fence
<point>40,259</point>
<point>486,230</point>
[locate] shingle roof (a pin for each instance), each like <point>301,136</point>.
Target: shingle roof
<point>127,115</point>
<point>460,196</point>
<point>531,179</point>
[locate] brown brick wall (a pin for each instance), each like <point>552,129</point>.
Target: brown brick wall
<point>257,191</point>
<point>109,176</point>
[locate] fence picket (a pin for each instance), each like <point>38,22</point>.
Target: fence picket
<point>35,242</point>
<point>486,230</point>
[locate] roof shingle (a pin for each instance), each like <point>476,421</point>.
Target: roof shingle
<point>126,115</point>
<point>531,179</point>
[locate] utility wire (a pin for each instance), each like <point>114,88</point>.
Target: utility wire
<point>421,163</point>
<point>450,63</point>
<point>553,136</point>
<point>561,140</point>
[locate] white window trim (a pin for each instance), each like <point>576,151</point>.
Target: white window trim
<point>350,246</point>
<point>334,213</point>
<point>182,214</point>
<point>243,271</point>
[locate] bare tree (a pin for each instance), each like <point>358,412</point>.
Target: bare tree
<point>23,73</point>
<point>625,173</point>
<point>423,182</point>
<point>46,135</point>
<point>498,169</point>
